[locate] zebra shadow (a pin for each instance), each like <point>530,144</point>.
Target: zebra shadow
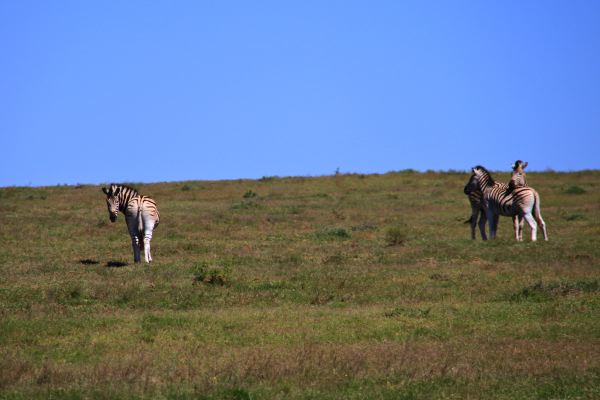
<point>109,264</point>
<point>116,264</point>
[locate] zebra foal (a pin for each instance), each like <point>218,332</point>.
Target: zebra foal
<point>477,211</point>
<point>517,178</point>
<point>498,199</point>
<point>141,215</point>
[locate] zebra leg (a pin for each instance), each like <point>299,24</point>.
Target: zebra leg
<point>135,244</point>
<point>135,241</point>
<point>473,222</point>
<point>542,225</point>
<point>516,226</point>
<point>538,216</point>
<point>521,224</point>
<point>532,225</point>
<point>148,229</point>
<point>491,222</point>
<point>496,222</point>
<point>147,255</point>
<point>482,221</point>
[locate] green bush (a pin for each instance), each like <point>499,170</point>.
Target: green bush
<point>395,236</point>
<point>333,233</point>
<point>212,275</point>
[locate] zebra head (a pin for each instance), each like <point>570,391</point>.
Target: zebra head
<point>480,178</point>
<point>519,165</point>
<point>112,201</point>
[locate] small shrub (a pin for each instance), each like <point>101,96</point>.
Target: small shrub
<point>186,188</point>
<point>395,236</point>
<point>212,275</point>
<point>250,194</point>
<point>575,190</point>
<point>333,233</point>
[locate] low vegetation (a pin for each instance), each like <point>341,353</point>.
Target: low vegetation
<point>346,286</point>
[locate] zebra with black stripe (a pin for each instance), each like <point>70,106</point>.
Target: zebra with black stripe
<point>141,215</point>
<point>478,216</point>
<point>517,178</point>
<point>521,202</point>
<point>477,211</point>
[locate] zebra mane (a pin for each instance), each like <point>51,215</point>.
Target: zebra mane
<point>485,173</point>
<point>122,186</point>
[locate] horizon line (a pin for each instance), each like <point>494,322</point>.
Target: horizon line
<point>337,172</point>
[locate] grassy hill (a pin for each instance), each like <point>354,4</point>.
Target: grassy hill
<point>346,286</point>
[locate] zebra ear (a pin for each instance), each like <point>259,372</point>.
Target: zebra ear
<point>525,164</point>
<point>105,191</point>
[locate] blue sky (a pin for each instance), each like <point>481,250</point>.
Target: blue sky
<point>148,91</point>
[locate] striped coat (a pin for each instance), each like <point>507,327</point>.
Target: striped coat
<point>520,203</point>
<point>517,178</point>
<point>141,216</point>
<point>477,211</point>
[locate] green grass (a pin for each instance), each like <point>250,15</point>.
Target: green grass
<point>340,287</point>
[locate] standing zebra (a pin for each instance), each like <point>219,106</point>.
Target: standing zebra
<point>517,178</point>
<point>521,202</point>
<point>477,211</point>
<point>141,215</point>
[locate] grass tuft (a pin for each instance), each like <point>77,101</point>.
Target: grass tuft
<point>212,275</point>
<point>395,235</point>
<point>333,234</point>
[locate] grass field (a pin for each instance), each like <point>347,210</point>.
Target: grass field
<point>345,286</point>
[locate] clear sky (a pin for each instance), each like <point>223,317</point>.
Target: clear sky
<point>146,91</point>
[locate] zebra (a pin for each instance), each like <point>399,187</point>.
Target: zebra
<point>517,178</point>
<point>477,211</point>
<point>141,215</point>
<point>521,202</point>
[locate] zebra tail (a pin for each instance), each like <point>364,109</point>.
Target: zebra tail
<point>469,220</point>
<point>140,221</point>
